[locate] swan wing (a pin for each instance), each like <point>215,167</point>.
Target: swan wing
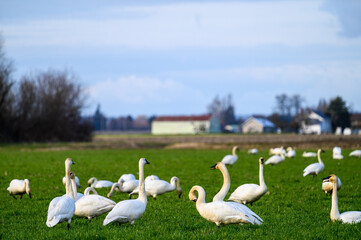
<point>313,168</point>
<point>102,183</point>
<point>16,186</point>
<point>229,159</point>
<point>125,211</point>
<point>351,217</point>
<point>93,206</point>
<point>246,193</point>
<point>61,210</point>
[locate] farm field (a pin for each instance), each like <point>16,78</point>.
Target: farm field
<point>294,208</point>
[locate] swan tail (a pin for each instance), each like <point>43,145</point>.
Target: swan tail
<point>108,220</point>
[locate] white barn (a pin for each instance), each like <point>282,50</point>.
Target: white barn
<point>257,125</point>
<point>316,123</point>
<point>194,124</point>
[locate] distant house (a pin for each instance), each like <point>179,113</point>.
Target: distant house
<point>315,122</point>
<point>186,124</point>
<point>257,125</point>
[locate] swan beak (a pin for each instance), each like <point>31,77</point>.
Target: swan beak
<point>326,179</point>
<point>262,160</point>
<point>214,166</point>
<point>146,161</point>
<point>194,200</point>
<point>30,194</point>
<point>322,150</point>
<point>179,194</point>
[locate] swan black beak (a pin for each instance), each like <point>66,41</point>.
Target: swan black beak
<point>30,195</point>
<point>326,179</point>
<point>322,150</point>
<point>146,161</point>
<point>262,160</point>
<point>194,200</point>
<point>214,166</point>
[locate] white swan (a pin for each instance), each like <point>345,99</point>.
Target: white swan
<point>309,154</point>
<point>327,186</point>
<point>249,193</point>
<point>62,209</point>
<point>126,187</point>
<point>126,177</point>
<point>277,151</point>
<point>221,212</point>
<point>74,186</point>
<point>151,178</point>
<point>93,182</point>
<point>226,182</point>
<point>19,187</point>
<point>155,187</point>
<point>231,159</point>
<point>337,153</point>
<point>291,153</point>
<point>130,210</point>
<point>356,153</point>
<point>76,180</point>
<point>346,217</point>
<point>275,159</point>
<point>253,151</point>
<point>90,206</point>
<point>315,168</point>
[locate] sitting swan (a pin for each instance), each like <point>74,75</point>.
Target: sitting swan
<point>346,217</point>
<point>90,206</point>
<point>93,182</point>
<point>157,187</point>
<point>309,154</point>
<point>126,177</point>
<point>327,186</point>
<point>315,168</point>
<point>337,153</point>
<point>249,193</point>
<point>291,153</point>
<point>126,187</point>
<point>277,151</point>
<point>355,153</point>
<point>221,212</point>
<point>253,151</point>
<point>62,208</point>
<point>19,187</point>
<point>130,210</point>
<point>275,159</point>
<point>231,159</point>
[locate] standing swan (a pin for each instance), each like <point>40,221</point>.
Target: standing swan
<point>315,168</point>
<point>346,217</point>
<point>226,182</point>
<point>130,210</point>
<point>231,159</point>
<point>157,187</point>
<point>61,209</point>
<point>249,193</point>
<point>221,212</point>
<point>19,187</point>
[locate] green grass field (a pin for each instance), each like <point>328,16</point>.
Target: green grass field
<point>295,207</point>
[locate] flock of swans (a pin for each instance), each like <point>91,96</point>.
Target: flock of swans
<point>219,211</point>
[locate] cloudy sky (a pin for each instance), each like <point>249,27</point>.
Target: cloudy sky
<point>175,57</point>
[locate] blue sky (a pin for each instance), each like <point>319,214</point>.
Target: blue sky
<point>174,57</point>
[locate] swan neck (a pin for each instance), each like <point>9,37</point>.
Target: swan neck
<point>226,185</point>
<point>234,151</point>
<point>74,189</point>
<point>319,157</point>
<point>201,195</point>
<point>261,178</point>
<point>142,195</point>
<point>335,214</point>
<point>115,185</point>
<point>68,188</point>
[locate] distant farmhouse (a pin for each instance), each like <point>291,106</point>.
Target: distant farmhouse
<point>258,125</point>
<point>195,124</point>
<point>315,122</point>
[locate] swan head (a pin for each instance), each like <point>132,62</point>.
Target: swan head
<point>69,161</point>
<point>218,165</point>
<point>289,149</point>
<point>192,195</point>
<point>91,180</point>
<point>332,178</point>
<point>261,160</point>
<point>144,161</point>
<point>320,151</point>
<point>72,175</point>
<point>27,187</point>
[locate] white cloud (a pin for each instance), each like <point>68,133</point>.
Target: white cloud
<point>208,24</point>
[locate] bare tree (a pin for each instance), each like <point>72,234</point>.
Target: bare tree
<point>223,109</point>
<point>6,97</point>
<point>281,101</point>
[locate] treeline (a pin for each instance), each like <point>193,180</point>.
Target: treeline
<point>43,106</point>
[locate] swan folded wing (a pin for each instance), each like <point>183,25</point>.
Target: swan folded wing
<point>125,211</point>
<point>61,210</point>
<point>246,192</point>
<point>93,205</point>
<point>229,159</point>
<point>16,186</point>
<point>351,217</point>
<point>248,212</point>
<point>314,167</point>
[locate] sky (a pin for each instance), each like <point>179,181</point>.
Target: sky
<point>174,57</point>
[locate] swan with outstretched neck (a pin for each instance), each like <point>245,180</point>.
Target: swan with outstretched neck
<point>346,217</point>
<point>61,209</point>
<point>130,210</point>
<point>250,193</point>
